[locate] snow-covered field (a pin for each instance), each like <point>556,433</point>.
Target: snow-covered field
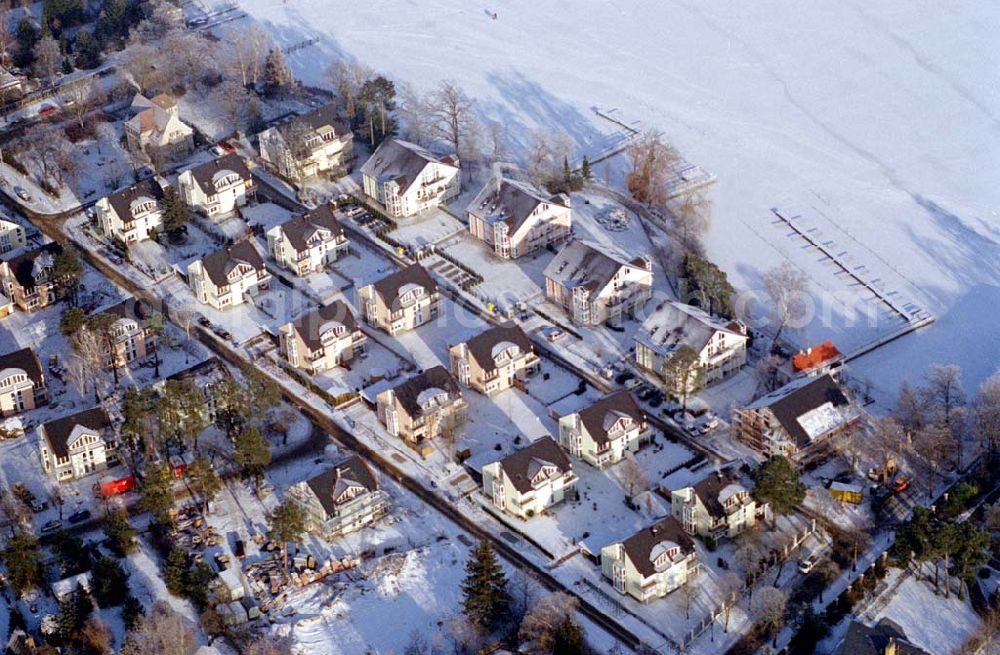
<point>874,122</point>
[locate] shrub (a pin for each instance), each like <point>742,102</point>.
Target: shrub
<point>710,543</point>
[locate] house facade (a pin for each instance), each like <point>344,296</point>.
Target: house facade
<point>309,243</point>
<point>595,284</point>
<point>514,218</point>
<point>12,237</point>
<point>344,499</point>
<point>217,188</point>
<point>603,433</point>
<point>75,446</point>
<point>407,179</point>
<point>530,480</point>
<point>651,563</point>
<point>229,277</point>
<point>322,339</point>
<point>133,335</point>
<point>27,278</point>
<point>494,360</point>
<point>307,145</point>
<point>799,420</point>
<point>22,382</point>
<point>721,346</point>
<point>401,301</point>
<point>134,214</point>
<point>418,409</point>
<point>156,129</point>
<point>716,506</point>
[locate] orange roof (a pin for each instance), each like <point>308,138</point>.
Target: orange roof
<point>815,356</point>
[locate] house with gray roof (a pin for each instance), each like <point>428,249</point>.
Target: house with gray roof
<point>597,283</point>
<point>309,243</point>
<point>514,218</point>
<point>230,276</point>
<point>27,277</point>
<point>342,499</point>
<point>652,562</point>
<point>717,506</point>
<point>495,359</point>
<point>421,407</point>
<point>884,638</point>
<point>401,301</point>
<point>604,432</point>
<point>134,214</point>
<point>217,188</point>
<point>22,382</point>
<point>529,480</point>
<point>407,179</point>
<point>323,338</point>
<point>309,145</point>
<point>75,446</point>
<point>132,333</point>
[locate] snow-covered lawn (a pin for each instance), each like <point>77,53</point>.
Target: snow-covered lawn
<point>505,282</point>
<point>431,227</point>
<point>936,624</point>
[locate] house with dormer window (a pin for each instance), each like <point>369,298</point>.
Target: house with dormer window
<point>22,382</point>
<point>530,480</point>
<point>134,214</point>
<point>132,333</point>
<point>229,277</point>
<point>651,563</point>
<point>494,360</point>
<point>595,283</point>
<point>418,409</point>
<point>717,506</point>
<point>603,433</point>
<point>307,146</point>
<point>309,243</point>
<point>401,301</point>
<point>12,236</point>
<point>322,339</point>
<point>75,446</point>
<point>27,278</point>
<point>156,129</point>
<point>408,179</point>
<point>514,218</point>
<point>341,500</point>
<point>217,188</point>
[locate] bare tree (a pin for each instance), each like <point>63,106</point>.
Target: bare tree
<point>87,363</point>
<point>452,119</point>
<point>247,50</point>
<point>934,446</point>
<point>14,512</point>
<point>188,56</point>
<point>96,636</point>
<point>947,401</point>
<point>162,632</point>
<point>730,585</point>
<point>267,643</point>
<point>539,627</point>
<point>849,444</point>
<point>6,37</point>
<point>80,98</point>
<point>689,592</point>
<point>748,554</point>
<point>633,477</point>
<point>545,156</point>
<point>48,58</point>
<point>347,78</point>
<point>986,413</point>
<point>161,18</point>
<point>690,217</point>
<point>890,439</point>
<point>772,605</point>
<point>138,65</point>
<point>412,113</point>
<point>787,288</point>
<point>767,368</point>
<point>652,161</point>
<point>466,633</point>
<point>496,142</point>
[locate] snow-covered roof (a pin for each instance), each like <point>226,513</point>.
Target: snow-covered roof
<point>511,201</point>
<point>586,264</point>
<point>675,324</point>
<point>402,162</point>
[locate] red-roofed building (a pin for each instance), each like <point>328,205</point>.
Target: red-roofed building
<point>818,360</point>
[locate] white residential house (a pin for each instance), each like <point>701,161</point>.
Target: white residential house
<point>217,188</point>
<point>307,145</point>
<point>156,130</point>
<point>407,179</point>
<point>12,236</point>
<point>75,446</point>
<point>22,382</point>
<point>341,500</point>
<point>529,480</point>
<point>595,283</point>
<point>800,420</point>
<point>514,218</point>
<point>134,214</point>
<point>494,360</point>
<point>721,345</point>
<point>11,86</point>
<point>309,243</point>
<point>651,563</point>
<point>401,301</point>
<point>27,278</point>
<point>134,338</point>
<point>604,432</point>
<point>717,506</point>
<point>228,277</point>
<point>322,338</point>
<point>417,409</point>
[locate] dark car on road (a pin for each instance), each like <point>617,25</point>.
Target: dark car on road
<point>79,517</point>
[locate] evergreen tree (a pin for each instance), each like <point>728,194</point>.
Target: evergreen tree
<point>175,212</point>
<point>132,610</point>
<point>73,555</point>
<point>88,51</point>
<point>121,533</point>
<point>73,613</point>
<point>16,621</point>
<point>175,571</point>
<point>67,271</point>
<point>23,558</point>
<point>27,37</point>
<point>567,172</point>
<point>277,75</point>
<point>157,495</point>
<point>203,479</point>
<point>72,320</point>
<point>288,522</point>
<point>777,482</point>
<point>710,284</point>
<point>568,638</point>
<point>109,582</point>
<point>136,407</point>
<point>682,373</point>
<point>487,601</point>
<point>252,453</point>
<point>196,583</point>
<point>585,171</point>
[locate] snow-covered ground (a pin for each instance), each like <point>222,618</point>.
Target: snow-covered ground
<point>942,630</point>
<point>822,112</point>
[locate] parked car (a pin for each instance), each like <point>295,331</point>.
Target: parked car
<point>204,322</point>
<point>22,194</point>
<point>901,484</point>
<point>51,526</point>
<point>79,517</point>
<point>38,507</point>
<point>632,384</point>
<point>808,561</point>
<point>656,401</point>
<point>554,334</point>
<point>48,110</point>
<point>226,146</point>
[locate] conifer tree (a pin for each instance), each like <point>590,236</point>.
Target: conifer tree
<point>568,638</point>
<point>157,495</point>
<point>585,169</point>
<point>252,453</point>
<point>175,571</point>
<point>777,482</point>
<point>175,212</point>
<point>74,612</point>
<point>487,601</point>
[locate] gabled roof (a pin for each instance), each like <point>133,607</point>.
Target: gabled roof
<point>388,288</point>
<point>511,202</point>
<point>640,546</point>
<point>23,266</point>
<point>408,392</point>
<point>674,324</point>
<point>484,346</point>
<point>793,402</point>
<point>863,640</point>
<point>522,465</point>
<point>585,264</point>
<point>715,488</point>
<point>310,326</point>
<point>122,201</point>
<point>26,360</point>
<point>219,264</point>
<point>300,229</point>
<point>131,308</point>
<point>402,162</point>
<point>815,356</point>
<point>204,174</point>
<point>58,431</point>
<point>325,116</point>
<point>600,416</point>
<point>330,485</point>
